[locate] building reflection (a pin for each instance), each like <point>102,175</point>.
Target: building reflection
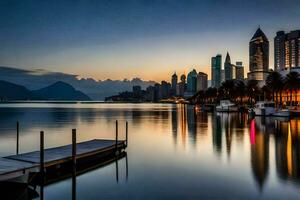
<point>259,140</point>
<point>216,133</point>
<point>174,119</point>
<point>191,123</point>
<point>183,121</point>
<point>287,150</point>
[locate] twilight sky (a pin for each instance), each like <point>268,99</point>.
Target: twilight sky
<point>149,39</point>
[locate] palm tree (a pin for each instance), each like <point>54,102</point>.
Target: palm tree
<point>211,94</point>
<point>252,90</point>
<point>227,89</point>
<point>275,83</point>
<point>292,83</point>
<point>240,89</point>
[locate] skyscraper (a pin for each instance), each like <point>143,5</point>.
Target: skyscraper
<point>201,81</point>
<point>216,63</point>
<point>192,82</point>
<point>228,68</point>
<point>258,56</point>
<point>279,51</point>
<point>181,86</point>
<point>174,83</point>
<point>287,50</point>
<point>239,71</point>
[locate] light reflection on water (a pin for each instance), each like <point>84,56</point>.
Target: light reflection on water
<point>174,151</point>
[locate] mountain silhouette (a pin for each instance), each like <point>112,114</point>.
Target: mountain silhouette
<point>61,91</point>
<point>11,91</point>
<point>95,89</point>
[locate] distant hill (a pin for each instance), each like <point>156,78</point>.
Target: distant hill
<point>95,89</point>
<point>11,91</point>
<point>58,91</point>
<point>61,91</point>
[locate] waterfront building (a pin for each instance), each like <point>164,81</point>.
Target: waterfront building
<point>258,56</point>
<point>279,51</point>
<point>174,83</point>
<point>222,75</point>
<point>165,90</point>
<point>192,82</point>
<point>228,68</point>
<point>201,81</point>
<point>150,93</point>
<point>287,50</point>
<point>180,89</point>
<point>239,71</point>
<point>137,90</point>
<point>157,92</point>
<point>216,65</point>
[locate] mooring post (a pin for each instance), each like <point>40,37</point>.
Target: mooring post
<point>74,164</point>
<point>17,150</point>
<point>42,158</point>
<point>126,133</point>
<point>116,136</point>
<point>74,146</point>
<point>117,169</point>
<point>126,167</point>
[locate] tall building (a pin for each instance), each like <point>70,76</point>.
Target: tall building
<point>174,83</point>
<point>222,75</point>
<point>192,82</point>
<point>279,51</point>
<point>287,50</point>
<point>239,71</point>
<point>201,81</point>
<point>216,64</point>
<point>181,86</point>
<point>258,56</point>
<point>228,68</point>
<point>165,90</point>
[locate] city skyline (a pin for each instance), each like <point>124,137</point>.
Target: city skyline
<point>138,37</point>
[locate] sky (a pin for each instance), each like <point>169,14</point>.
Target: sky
<point>150,39</point>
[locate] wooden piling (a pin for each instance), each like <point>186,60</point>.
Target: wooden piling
<point>42,158</point>
<point>42,164</point>
<point>74,164</point>
<point>117,169</point>
<point>126,167</point>
<point>126,133</point>
<point>74,146</point>
<point>116,136</point>
<point>17,145</point>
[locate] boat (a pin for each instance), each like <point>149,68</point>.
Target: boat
<point>282,113</point>
<point>226,106</point>
<point>263,108</point>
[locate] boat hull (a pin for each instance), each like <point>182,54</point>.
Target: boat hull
<point>227,109</point>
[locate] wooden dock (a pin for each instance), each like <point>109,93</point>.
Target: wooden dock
<point>15,166</point>
<point>63,154</point>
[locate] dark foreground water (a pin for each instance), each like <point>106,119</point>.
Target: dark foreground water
<point>174,151</point>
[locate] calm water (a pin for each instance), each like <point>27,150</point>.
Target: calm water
<point>174,152</point>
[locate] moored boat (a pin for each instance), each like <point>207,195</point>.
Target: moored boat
<point>263,108</point>
<point>226,106</point>
<point>282,113</point>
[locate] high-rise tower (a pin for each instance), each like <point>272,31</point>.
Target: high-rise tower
<point>228,68</point>
<point>258,56</point>
<point>216,63</point>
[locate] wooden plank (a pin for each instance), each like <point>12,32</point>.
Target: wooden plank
<point>64,153</point>
<point>10,166</point>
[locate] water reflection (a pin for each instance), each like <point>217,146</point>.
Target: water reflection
<point>215,151</point>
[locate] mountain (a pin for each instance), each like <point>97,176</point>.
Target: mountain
<point>58,91</point>
<point>95,89</point>
<point>61,91</point>
<point>10,91</point>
